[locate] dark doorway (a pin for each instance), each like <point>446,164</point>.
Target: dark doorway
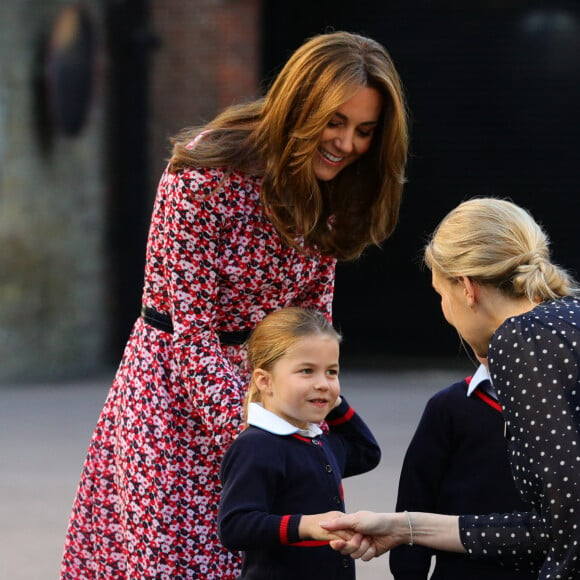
<point>129,44</point>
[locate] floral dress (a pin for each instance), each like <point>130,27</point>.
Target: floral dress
<point>147,502</point>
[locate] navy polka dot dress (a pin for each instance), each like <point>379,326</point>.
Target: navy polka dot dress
<point>534,364</point>
<point>147,502</point>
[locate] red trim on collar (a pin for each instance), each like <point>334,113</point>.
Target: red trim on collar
<point>487,399</point>
<point>302,438</point>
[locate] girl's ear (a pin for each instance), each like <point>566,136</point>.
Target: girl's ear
<point>262,380</point>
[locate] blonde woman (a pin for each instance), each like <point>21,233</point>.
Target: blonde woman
<point>491,265</point>
<point>250,216</point>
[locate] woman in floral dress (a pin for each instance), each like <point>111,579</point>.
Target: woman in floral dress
<point>250,216</point>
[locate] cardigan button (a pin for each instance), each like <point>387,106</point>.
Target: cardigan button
<point>345,563</point>
<point>328,468</point>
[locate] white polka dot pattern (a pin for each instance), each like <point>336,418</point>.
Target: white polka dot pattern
<point>534,365</point>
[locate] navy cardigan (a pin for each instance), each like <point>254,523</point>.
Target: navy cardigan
<point>270,480</point>
<point>457,463</point>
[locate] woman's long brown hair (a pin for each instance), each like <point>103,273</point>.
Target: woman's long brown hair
<point>276,137</point>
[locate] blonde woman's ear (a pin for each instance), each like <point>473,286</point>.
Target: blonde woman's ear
<point>469,290</point>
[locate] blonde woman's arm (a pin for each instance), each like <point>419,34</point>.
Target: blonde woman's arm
<point>377,533</point>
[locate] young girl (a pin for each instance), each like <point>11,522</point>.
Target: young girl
<point>283,467</point>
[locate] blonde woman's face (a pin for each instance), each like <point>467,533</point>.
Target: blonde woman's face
<point>348,134</point>
<point>458,311</point>
<point>303,385</point>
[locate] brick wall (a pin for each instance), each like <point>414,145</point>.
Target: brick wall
<point>207,58</point>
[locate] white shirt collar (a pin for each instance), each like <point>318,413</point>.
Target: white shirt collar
<point>268,421</point>
<point>480,375</point>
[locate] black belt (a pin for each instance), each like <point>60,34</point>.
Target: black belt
<point>164,323</point>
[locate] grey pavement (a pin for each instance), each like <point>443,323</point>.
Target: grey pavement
<point>45,430</point>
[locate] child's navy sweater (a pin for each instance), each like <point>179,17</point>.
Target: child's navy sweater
<point>457,463</point>
<point>270,480</point>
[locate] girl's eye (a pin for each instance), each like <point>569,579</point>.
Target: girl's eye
<point>333,124</point>
<point>332,372</point>
<point>306,371</point>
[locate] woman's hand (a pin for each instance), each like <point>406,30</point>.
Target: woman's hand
<point>373,534</point>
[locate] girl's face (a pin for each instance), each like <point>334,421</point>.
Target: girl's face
<point>302,387</point>
<point>348,134</point>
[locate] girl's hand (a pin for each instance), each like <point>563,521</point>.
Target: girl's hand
<point>310,529</point>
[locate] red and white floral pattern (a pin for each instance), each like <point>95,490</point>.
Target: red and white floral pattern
<point>147,501</point>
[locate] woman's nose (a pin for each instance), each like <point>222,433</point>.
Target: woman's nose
<point>345,142</point>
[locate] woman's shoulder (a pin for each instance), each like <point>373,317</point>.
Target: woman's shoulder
<point>562,309</point>
<point>547,318</point>
<point>214,185</point>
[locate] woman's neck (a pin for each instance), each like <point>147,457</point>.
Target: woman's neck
<point>506,307</point>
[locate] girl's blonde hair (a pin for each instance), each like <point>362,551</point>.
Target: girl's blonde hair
<point>276,334</point>
<point>277,137</point>
<point>496,242</point>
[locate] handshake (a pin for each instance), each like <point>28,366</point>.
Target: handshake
<point>367,535</point>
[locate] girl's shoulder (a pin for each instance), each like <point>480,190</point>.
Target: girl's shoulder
<point>251,435</point>
<point>255,445</point>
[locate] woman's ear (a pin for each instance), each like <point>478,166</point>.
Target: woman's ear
<point>262,380</point>
<point>469,290</point>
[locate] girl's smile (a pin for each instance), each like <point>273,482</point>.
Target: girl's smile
<point>303,385</point>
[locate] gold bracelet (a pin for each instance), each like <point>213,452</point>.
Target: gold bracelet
<point>410,543</point>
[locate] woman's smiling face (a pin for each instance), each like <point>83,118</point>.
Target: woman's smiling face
<point>348,134</point>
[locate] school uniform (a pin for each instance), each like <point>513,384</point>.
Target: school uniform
<point>457,463</point>
<point>272,474</point>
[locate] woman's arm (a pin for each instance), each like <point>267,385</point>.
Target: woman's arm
<point>385,531</point>
<point>318,293</point>
<point>191,233</point>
